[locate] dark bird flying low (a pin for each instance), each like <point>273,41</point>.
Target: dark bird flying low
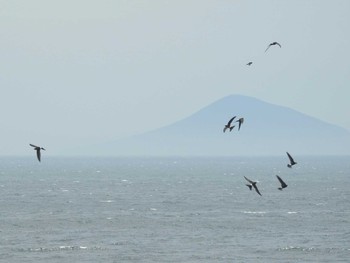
<point>283,184</point>
<point>249,63</point>
<point>252,184</point>
<point>291,160</point>
<point>273,44</point>
<point>37,149</point>
<point>228,125</point>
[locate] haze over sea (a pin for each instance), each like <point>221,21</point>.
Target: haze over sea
<point>174,210</point>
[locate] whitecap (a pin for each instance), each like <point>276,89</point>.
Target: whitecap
<point>254,212</point>
<point>318,204</point>
<point>292,212</point>
<point>153,209</point>
<point>106,201</point>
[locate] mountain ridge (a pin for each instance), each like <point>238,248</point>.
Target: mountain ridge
<point>268,129</point>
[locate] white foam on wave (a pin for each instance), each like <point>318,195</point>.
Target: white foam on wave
<point>59,248</point>
<point>292,212</point>
<point>106,201</point>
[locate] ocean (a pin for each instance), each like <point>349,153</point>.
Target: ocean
<point>174,209</point>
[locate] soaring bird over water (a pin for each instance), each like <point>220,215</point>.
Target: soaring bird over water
<point>228,125</point>
<point>283,184</point>
<point>291,160</point>
<point>249,63</point>
<point>273,44</point>
<point>240,121</point>
<point>37,149</point>
<point>252,184</point>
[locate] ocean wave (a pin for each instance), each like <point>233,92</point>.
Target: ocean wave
<point>254,212</point>
<point>314,249</point>
<point>106,201</point>
<point>58,248</point>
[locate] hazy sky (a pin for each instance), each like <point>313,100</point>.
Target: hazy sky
<point>78,72</point>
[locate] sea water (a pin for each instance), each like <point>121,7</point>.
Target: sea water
<point>174,209</point>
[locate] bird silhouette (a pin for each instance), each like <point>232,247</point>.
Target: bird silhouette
<point>249,63</point>
<point>273,44</point>
<point>283,184</point>
<point>252,184</point>
<point>228,125</point>
<point>291,160</point>
<point>37,149</point>
<point>240,121</point>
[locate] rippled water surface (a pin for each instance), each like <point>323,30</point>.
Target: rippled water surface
<point>174,210</point>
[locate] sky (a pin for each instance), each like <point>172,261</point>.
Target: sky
<point>81,72</point>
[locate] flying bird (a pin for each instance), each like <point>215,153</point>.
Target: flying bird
<point>252,184</point>
<point>273,44</point>
<point>291,160</point>
<point>240,121</point>
<point>283,184</point>
<point>228,125</point>
<point>37,149</point>
<point>249,63</point>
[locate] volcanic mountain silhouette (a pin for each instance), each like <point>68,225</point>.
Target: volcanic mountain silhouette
<point>268,130</point>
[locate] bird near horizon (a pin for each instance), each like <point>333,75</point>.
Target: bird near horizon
<point>273,44</point>
<point>291,160</point>
<point>228,125</point>
<point>240,121</point>
<point>252,184</point>
<point>283,184</point>
<point>249,63</point>
<point>38,151</point>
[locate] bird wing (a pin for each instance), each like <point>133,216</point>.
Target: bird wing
<point>38,154</point>
<point>225,128</point>
<point>290,158</point>
<point>33,145</point>
<point>283,184</point>
<point>250,181</point>
<point>278,44</point>
<point>268,47</point>
<point>240,121</point>
<point>256,189</point>
<point>230,121</point>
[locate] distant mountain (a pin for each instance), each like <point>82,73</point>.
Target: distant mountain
<point>267,130</point>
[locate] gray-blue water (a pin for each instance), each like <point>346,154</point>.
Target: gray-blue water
<point>174,210</point>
